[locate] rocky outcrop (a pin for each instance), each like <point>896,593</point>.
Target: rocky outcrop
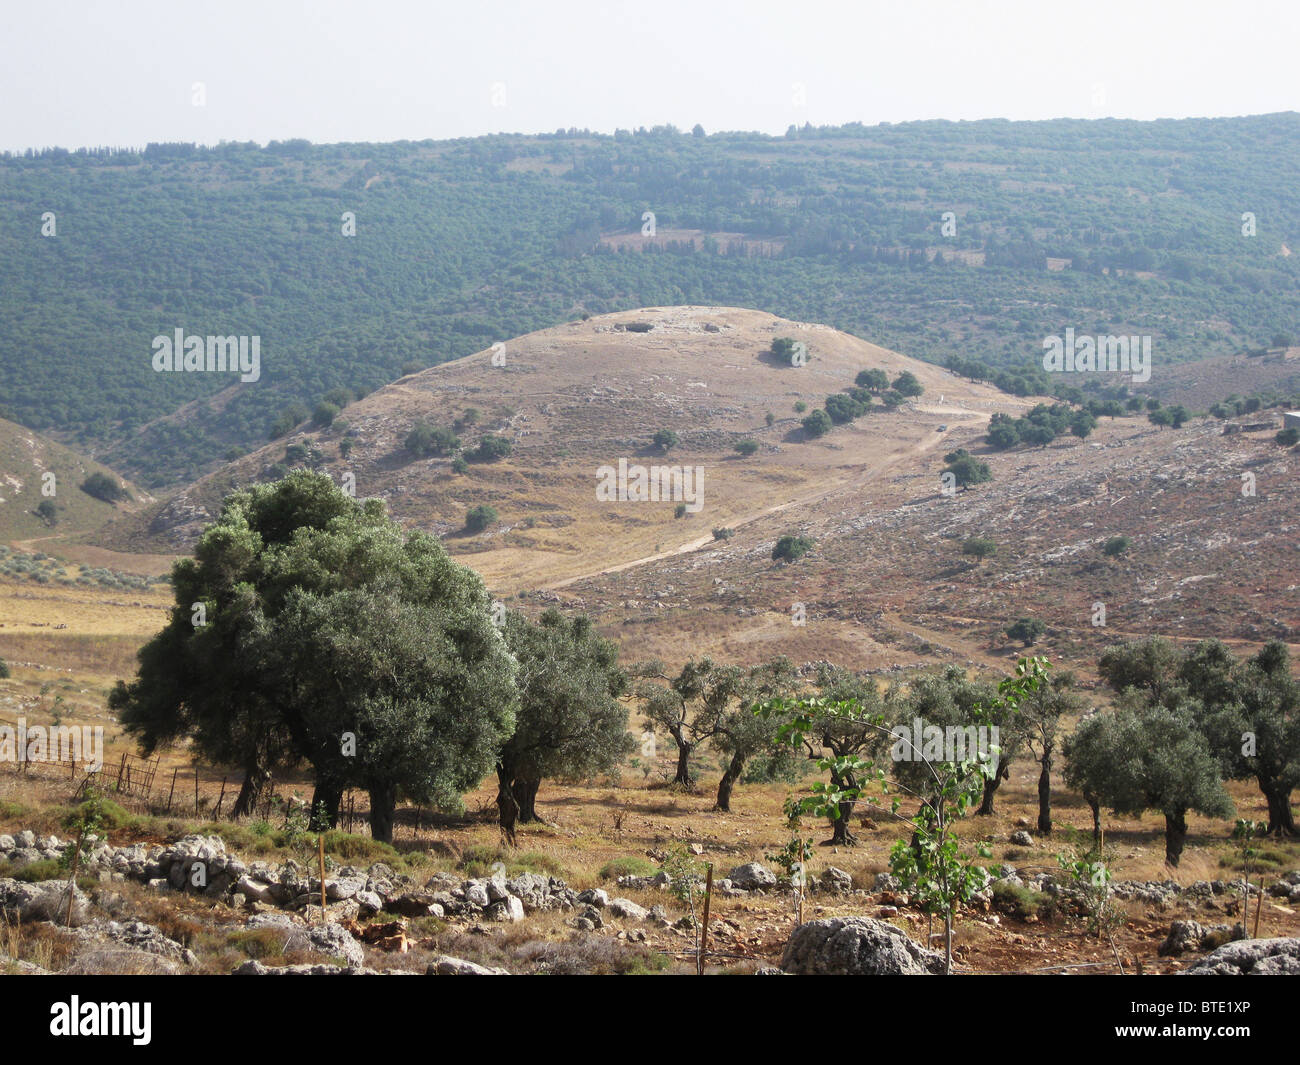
<point>1251,957</point>
<point>445,966</point>
<point>856,946</point>
<point>44,901</point>
<point>1187,936</point>
<point>752,877</point>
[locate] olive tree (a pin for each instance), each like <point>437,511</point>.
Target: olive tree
<point>1042,711</point>
<point>570,722</point>
<point>1148,757</point>
<point>742,735</point>
<point>310,627</point>
<point>690,706</point>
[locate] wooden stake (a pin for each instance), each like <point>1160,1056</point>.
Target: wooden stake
<point>320,843</point>
<point>196,791</point>
<point>171,793</point>
<point>1258,906</point>
<point>216,814</point>
<point>72,881</point>
<point>704,931</point>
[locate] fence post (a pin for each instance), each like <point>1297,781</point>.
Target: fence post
<point>173,789</point>
<point>72,880</point>
<point>216,814</point>
<point>704,932</point>
<point>320,843</point>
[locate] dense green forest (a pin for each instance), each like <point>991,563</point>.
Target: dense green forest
<point>1108,226</point>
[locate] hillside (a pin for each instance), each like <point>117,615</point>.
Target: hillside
<point>886,577</point>
<point>1201,384</point>
<point>585,395</point>
<point>26,460</point>
<point>887,587</point>
<point>1119,226</point>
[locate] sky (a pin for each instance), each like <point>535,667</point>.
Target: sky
<point>123,73</point>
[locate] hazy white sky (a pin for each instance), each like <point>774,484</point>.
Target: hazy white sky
<point>118,72</point>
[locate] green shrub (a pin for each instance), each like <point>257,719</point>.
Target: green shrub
<point>104,488</point>
<point>1027,630</point>
<point>1116,546</point>
<point>425,440</point>
<point>480,517</point>
<point>361,850</point>
<point>36,872</point>
<point>1021,902</point>
<point>259,943</point>
<point>628,866</point>
<point>979,547</point>
<point>791,548</point>
<point>818,423</point>
<point>12,811</point>
<point>490,448</point>
<point>111,814</point>
<point>480,860</point>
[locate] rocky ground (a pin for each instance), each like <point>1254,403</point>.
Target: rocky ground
<point>222,913</point>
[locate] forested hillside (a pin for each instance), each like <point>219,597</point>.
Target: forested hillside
<point>1108,226</point>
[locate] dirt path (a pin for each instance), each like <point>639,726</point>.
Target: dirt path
<point>925,444</point>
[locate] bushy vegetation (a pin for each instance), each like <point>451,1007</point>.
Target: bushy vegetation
<point>479,517</point>
<point>233,213</point>
<point>490,448</point>
<point>817,424</point>
<point>979,547</point>
<point>791,548</point>
<point>1189,719</point>
<point>1116,546</point>
<point>425,439</point>
<point>965,469</point>
<point>1044,424</point>
<point>1026,630</point>
<point>44,569</point>
<point>666,439</point>
<point>104,488</point>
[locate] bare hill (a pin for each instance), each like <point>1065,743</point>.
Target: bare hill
<point>27,459</point>
<point>887,586</point>
<point>583,396</point>
<point>1199,385</point>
